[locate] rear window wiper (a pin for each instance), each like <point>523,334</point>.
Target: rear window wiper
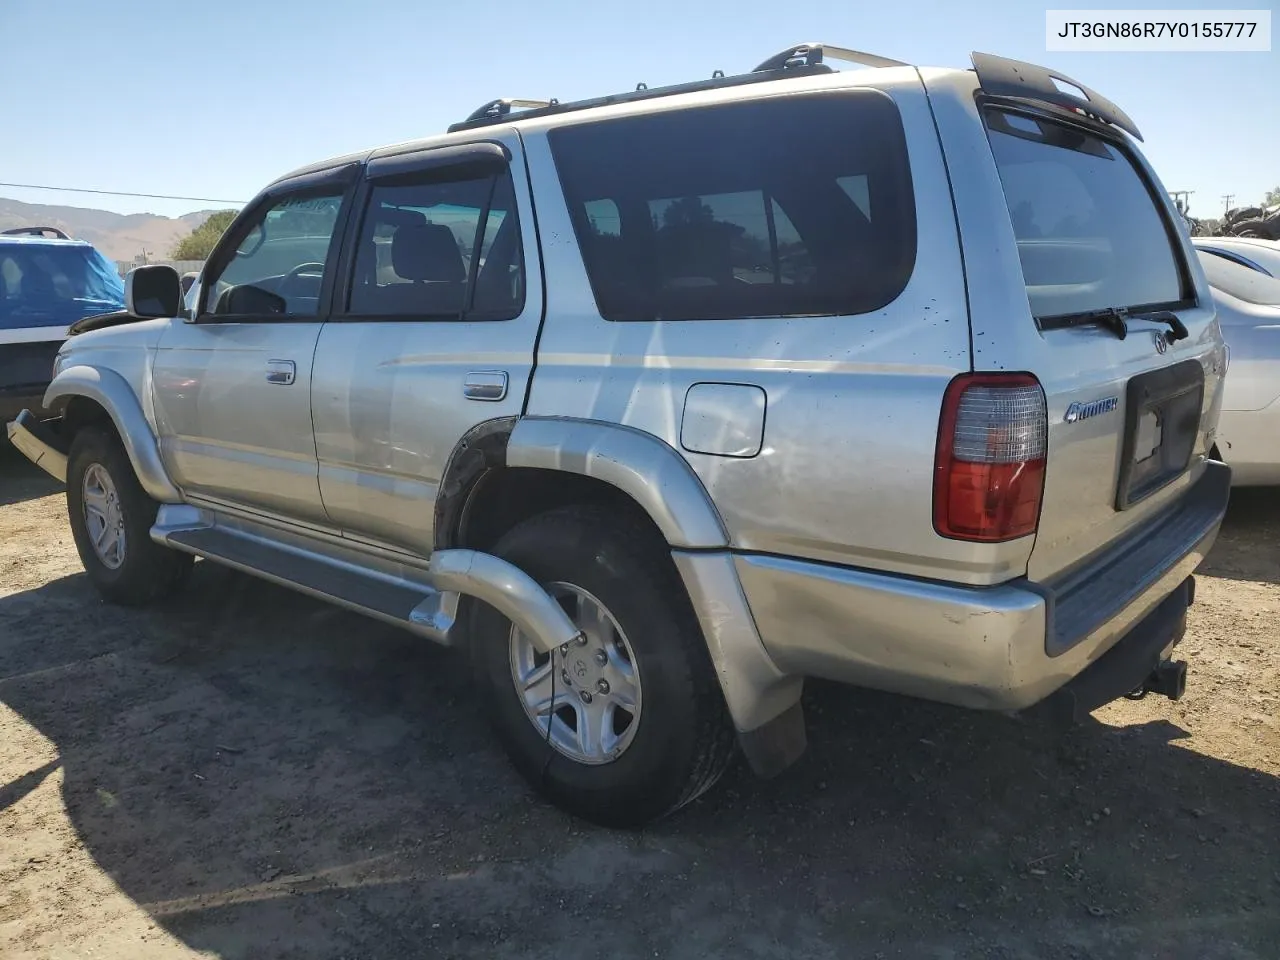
<point>1177,329</point>
<point>1115,319</point>
<point>1110,317</point>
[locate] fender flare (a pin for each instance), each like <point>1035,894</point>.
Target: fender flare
<point>114,394</point>
<point>639,464</point>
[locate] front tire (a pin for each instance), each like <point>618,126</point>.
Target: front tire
<point>111,518</point>
<point>631,725</point>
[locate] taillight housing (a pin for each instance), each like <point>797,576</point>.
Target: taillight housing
<point>993,439</point>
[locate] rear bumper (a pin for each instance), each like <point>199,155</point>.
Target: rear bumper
<point>39,444</point>
<point>1005,647</point>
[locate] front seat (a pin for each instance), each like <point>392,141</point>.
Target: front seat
<point>427,255</point>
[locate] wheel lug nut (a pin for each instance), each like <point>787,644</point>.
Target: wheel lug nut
<point>564,649</point>
<point>602,658</point>
<point>582,639</point>
<point>602,686</point>
<point>586,697</point>
<point>564,675</point>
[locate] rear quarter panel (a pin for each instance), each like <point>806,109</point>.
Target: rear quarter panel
<point>844,472</point>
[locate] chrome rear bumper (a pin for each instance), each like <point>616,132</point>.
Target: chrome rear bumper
<point>29,435</point>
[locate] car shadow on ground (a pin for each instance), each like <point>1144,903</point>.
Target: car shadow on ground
<point>268,776</point>
<point>20,479</point>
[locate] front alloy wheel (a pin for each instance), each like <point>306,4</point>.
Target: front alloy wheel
<point>103,517</point>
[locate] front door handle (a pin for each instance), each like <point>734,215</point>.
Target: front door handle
<point>488,385</point>
<point>282,372</point>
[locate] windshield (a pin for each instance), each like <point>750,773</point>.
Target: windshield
<point>1089,234</point>
<point>45,285</point>
<point>1241,282</point>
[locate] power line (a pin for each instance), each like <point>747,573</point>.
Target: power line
<point>120,193</point>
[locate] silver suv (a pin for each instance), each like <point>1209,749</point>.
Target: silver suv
<point>660,403</point>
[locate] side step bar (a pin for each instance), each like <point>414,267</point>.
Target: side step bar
<point>423,600</point>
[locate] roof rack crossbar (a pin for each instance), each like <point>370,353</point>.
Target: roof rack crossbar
<point>812,54</point>
<point>496,109</point>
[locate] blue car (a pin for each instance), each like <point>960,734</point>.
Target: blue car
<point>47,282</point>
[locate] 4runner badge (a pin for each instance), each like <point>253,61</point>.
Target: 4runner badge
<point>1083,411</point>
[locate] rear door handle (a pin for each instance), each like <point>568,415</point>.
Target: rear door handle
<point>282,372</point>
<point>488,385</point>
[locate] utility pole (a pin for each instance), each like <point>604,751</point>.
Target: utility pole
<point>1226,201</point>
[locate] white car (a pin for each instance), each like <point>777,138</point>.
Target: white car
<point>1248,301</point>
<point>1263,255</point>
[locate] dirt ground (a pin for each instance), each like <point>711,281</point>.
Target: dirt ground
<point>245,773</point>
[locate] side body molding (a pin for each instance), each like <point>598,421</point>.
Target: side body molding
<point>113,393</point>
<point>639,464</point>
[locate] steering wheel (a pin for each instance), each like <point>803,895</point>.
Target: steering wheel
<point>295,273</point>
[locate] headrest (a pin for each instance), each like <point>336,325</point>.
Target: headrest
<point>427,251</point>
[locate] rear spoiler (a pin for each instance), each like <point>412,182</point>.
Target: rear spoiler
<point>1019,82</point>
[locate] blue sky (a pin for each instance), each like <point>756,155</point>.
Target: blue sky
<point>213,99</point>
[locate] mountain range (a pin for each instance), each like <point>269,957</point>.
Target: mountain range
<point>118,236</point>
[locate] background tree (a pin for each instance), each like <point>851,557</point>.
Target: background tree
<point>1273,196</point>
<point>198,244</point>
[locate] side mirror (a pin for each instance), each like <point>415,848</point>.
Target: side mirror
<point>153,291</point>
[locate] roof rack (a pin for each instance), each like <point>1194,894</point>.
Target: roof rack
<point>812,54</point>
<point>804,59</point>
<point>35,232</point>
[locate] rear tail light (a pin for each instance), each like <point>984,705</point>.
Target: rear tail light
<point>989,473</point>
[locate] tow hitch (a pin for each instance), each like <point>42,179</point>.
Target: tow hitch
<point>1169,679</point>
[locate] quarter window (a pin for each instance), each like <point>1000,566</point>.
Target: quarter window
<point>440,250</point>
<point>786,206</point>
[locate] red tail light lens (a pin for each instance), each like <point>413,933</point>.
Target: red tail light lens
<point>989,472</point>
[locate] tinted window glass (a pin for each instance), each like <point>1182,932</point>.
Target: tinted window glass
<point>279,266</point>
<point>1089,233</point>
<point>1243,283</point>
<point>794,206</point>
<point>44,285</point>
<point>440,250</point>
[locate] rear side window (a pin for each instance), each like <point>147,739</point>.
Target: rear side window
<point>1089,233</point>
<point>440,250</point>
<point>789,206</point>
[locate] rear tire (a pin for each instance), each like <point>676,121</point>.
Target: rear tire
<point>682,741</point>
<point>111,518</point>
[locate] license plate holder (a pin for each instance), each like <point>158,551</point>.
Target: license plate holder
<point>1161,423</point>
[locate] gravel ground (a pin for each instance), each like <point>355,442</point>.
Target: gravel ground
<point>245,773</point>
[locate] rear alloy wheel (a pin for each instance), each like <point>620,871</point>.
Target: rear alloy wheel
<point>584,698</point>
<point>111,518</point>
<point>627,723</point>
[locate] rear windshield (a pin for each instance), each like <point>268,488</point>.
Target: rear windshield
<point>788,206</point>
<point>1089,234</point>
<point>1243,283</point>
<point>45,285</point>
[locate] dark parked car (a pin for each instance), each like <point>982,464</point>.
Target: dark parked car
<point>47,282</point>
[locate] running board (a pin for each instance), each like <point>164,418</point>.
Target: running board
<point>419,596</point>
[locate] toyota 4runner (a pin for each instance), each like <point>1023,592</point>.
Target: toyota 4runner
<point>662,402</point>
